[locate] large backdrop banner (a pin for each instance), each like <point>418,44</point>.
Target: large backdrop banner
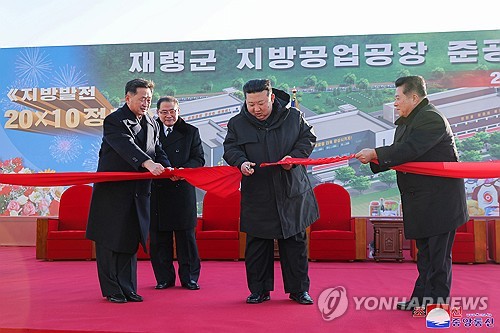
<point>54,100</point>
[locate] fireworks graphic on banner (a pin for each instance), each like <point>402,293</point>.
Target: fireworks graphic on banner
<point>17,84</point>
<point>65,148</point>
<point>33,66</point>
<point>69,76</point>
<point>90,163</point>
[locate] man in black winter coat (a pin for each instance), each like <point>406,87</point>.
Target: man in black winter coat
<point>277,202</point>
<point>433,207</point>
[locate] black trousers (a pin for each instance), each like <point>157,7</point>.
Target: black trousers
<point>162,255</point>
<point>259,263</point>
<point>117,271</point>
<point>434,269</point>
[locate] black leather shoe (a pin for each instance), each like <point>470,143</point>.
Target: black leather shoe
<point>164,285</point>
<point>406,306</point>
<point>117,298</point>
<point>133,297</point>
<point>191,285</point>
<point>256,298</point>
<point>302,297</point>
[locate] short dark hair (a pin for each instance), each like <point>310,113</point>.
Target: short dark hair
<point>256,86</point>
<point>415,83</point>
<point>131,86</point>
<point>168,99</point>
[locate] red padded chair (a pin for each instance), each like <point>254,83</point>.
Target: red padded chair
<point>470,243</point>
<point>336,235</point>
<point>469,246</point>
<point>218,230</point>
<point>64,237</point>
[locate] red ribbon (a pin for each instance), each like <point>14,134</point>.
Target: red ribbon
<point>309,161</point>
<point>476,170</point>
<point>222,180</point>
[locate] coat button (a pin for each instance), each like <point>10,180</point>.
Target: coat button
<point>177,150</point>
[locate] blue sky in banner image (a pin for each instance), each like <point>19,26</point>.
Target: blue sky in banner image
<point>46,147</point>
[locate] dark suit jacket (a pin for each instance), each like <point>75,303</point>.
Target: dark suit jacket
<point>173,203</point>
<point>431,205</point>
<point>119,211</point>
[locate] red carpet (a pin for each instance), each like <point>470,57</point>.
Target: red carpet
<point>64,296</point>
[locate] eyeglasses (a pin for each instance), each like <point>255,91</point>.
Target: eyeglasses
<point>168,112</point>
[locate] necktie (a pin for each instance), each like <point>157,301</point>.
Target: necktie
<point>169,130</point>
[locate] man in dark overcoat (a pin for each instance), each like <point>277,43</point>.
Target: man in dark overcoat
<point>119,211</point>
<point>277,202</point>
<point>433,207</point>
<point>173,201</point>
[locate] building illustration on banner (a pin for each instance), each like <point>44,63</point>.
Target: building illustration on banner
<point>344,90</point>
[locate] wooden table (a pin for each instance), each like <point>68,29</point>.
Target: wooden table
<point>388,237</point>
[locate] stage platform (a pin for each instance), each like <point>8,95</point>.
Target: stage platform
<point>64,296</point>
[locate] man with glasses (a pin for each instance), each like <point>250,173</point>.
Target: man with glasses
<point>173,202</point>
